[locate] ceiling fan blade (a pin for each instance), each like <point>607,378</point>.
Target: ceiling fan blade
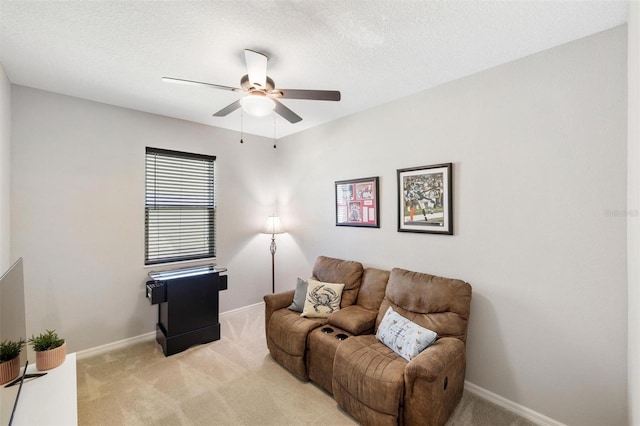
<point>256,68</point>
<point>199,83</point>
<point>316,95</point>
<point>286,113</point>
<point>228,109</point>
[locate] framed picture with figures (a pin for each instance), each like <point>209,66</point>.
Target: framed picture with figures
<point>425,199</point>
<point>357,202</point>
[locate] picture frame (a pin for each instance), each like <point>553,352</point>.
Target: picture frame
<point>357,202</point>
<point>425,199</point>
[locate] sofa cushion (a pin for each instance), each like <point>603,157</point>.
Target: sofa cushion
<point>348,272</point>
<point>370,372</point>
<point>322,300</point>
<point>404,337</point>
<point>355,319</point>
<point>374,284</point>
<point>299,296</point>
<point>439,304</point>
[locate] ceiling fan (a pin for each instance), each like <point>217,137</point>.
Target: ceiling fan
<point>261,96</point>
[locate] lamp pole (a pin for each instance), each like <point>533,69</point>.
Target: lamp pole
<point>272,248</point>
<point>273,226</point>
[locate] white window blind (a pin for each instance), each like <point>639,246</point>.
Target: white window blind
<point>180,206</point>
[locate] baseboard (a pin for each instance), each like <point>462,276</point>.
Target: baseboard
<point>242,309</point>
<point>121,344</point>
<point>511,406</point>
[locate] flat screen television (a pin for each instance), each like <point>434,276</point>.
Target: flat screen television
<point>12,327</point>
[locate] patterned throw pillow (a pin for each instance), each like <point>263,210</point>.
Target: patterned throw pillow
<point>322,300</point>
<point>299,296</point>
<point>403,336</point>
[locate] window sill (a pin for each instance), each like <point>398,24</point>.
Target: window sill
<point>196,262</point>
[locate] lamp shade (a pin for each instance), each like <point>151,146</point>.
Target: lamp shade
<point>257,105</point>
<point>273,226</point>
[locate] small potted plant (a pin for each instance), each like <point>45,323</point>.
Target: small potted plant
<point>10,360</point>
<point>50,350</point>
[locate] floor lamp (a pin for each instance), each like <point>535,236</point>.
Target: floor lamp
<point>273,226</point>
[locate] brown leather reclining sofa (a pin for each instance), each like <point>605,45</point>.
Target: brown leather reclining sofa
<point>366,378</point>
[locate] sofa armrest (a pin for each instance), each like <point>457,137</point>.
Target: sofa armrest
<point>277,301</point>
<point>433,361</point>
<point>354,319</point>
<point>434,382</point>
<point>274,302</point>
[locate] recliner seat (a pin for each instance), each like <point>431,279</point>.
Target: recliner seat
<point>287,331</point>
<point>378,387</point>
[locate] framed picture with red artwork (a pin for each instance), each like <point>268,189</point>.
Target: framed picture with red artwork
<point>357,202</point>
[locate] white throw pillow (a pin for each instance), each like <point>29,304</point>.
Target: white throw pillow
<point>322,299</point>
<point>403,336</point>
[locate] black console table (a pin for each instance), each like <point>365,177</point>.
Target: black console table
<point>188,306</point>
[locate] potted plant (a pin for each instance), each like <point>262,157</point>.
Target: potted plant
<point>50,350</point>
<point>10,360</point>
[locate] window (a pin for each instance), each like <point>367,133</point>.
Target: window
<point>180,206</point>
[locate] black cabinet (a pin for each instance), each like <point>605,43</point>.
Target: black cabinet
<point>188,302</point>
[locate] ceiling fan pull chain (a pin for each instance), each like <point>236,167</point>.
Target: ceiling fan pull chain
<point>274,130</point>
<point>241,126</point>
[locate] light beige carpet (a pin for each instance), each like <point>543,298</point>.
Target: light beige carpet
<point>233,381</point>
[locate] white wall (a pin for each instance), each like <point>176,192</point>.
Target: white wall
<point>539,153</point>
<point>5,170</point>
<point>633,218</point>
<point>78,212</point>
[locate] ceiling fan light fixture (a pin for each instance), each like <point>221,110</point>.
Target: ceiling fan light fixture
<point>261,96</point>
<point>257,105</point>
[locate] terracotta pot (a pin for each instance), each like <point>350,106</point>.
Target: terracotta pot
<point>9,370</point>
<point>46,360</point>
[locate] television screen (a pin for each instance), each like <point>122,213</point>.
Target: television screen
<point>12,326</point>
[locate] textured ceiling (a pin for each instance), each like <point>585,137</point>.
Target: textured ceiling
<point>372,51</point>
